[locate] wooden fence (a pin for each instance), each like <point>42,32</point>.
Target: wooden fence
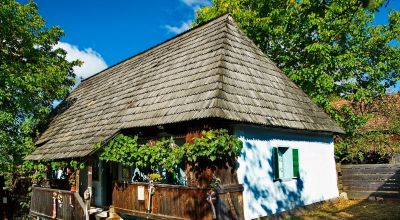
<point>339,177</point>
<point>365,181</point>
<point>4,201</point>
<point>177,202</point>
<point>68,205</point>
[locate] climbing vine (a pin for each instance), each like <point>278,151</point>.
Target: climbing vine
<point>213,146</point>
<point>216,145</point>
<point>39,171</point>
<point>127,151</point>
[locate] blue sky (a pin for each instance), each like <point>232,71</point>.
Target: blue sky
<point>102,33</point>
<point>117,29</point>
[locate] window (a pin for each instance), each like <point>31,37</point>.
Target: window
<point>286,163</point>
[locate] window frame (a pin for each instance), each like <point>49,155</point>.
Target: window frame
<point>294,163</point>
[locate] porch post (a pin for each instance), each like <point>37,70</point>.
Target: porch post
<point>88,193</point>
<point>78,171</point>
<point>90,177</point>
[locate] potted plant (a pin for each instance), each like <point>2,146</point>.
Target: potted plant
<point>215,182</point>
<point>154,177</point>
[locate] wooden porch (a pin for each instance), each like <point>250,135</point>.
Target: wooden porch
<point>56,204</point>
<point>133,199</point>
<point>176,202</point>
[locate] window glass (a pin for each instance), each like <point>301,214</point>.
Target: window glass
<point>286,164</point>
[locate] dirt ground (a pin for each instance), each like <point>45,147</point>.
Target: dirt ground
<point>351,209</point>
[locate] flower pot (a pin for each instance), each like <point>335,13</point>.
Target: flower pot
<point>73,188</point>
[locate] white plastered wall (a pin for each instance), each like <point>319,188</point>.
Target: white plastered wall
<point>262,195</point>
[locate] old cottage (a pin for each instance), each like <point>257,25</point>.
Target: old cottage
<point>210,76</point>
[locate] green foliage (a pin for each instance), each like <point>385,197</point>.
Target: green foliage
<point>378,140</point>
<point>32,75</point>
<point>216,145</point>
<point>40,173</point>
<point>366,147</point>
<point>331,49</point>
<point>215,182</point>
<point>349,119</point>
<point>121,149</point>
<point>128,151</point>
<point>38,170</point>
<point>72,179</point>
<point>213,146</point>
<point>155,177</point>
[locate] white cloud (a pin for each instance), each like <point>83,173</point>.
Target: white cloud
<point>93,62</point>
<point>194,5</point>
<point>179,29</point>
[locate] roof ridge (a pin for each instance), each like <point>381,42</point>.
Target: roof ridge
<point>221,62</point>
<point>265,56</point>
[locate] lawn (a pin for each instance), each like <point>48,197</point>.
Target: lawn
<point>351,209</point>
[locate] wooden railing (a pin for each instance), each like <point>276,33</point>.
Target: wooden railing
<point>176,202</point>
<point>69,205</point>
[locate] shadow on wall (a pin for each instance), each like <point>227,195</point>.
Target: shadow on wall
<point>289,192</point>
<point>269,135</point>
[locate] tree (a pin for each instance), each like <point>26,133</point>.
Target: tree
<point>32,75</point>
<point>378,140</point>
<point>331,48</point>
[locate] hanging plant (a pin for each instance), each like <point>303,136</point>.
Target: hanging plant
<point>155,177</point>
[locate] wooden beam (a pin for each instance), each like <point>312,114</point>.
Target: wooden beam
<point>145,215</point>
<point>90,173</point>
<point>78,171</point>
<point>90,180</point>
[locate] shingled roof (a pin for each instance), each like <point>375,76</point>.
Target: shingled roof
<point>211,71</point>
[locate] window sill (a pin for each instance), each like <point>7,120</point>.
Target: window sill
<point>286,179</point>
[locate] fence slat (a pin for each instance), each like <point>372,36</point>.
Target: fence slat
<point>366,180</point>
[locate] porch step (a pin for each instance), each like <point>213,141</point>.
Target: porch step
<point>98,213</point>
<point>95,210</point>
<point>102,215</point>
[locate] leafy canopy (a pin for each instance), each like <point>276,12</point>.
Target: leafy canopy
<point>378,140</point>
<point>331,49</point>
<point>32,75</point>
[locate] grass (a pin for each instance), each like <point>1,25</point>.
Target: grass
<point>351,209</point>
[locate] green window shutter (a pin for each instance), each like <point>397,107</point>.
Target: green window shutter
<point>296,171</point>
<point>276,163</point>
